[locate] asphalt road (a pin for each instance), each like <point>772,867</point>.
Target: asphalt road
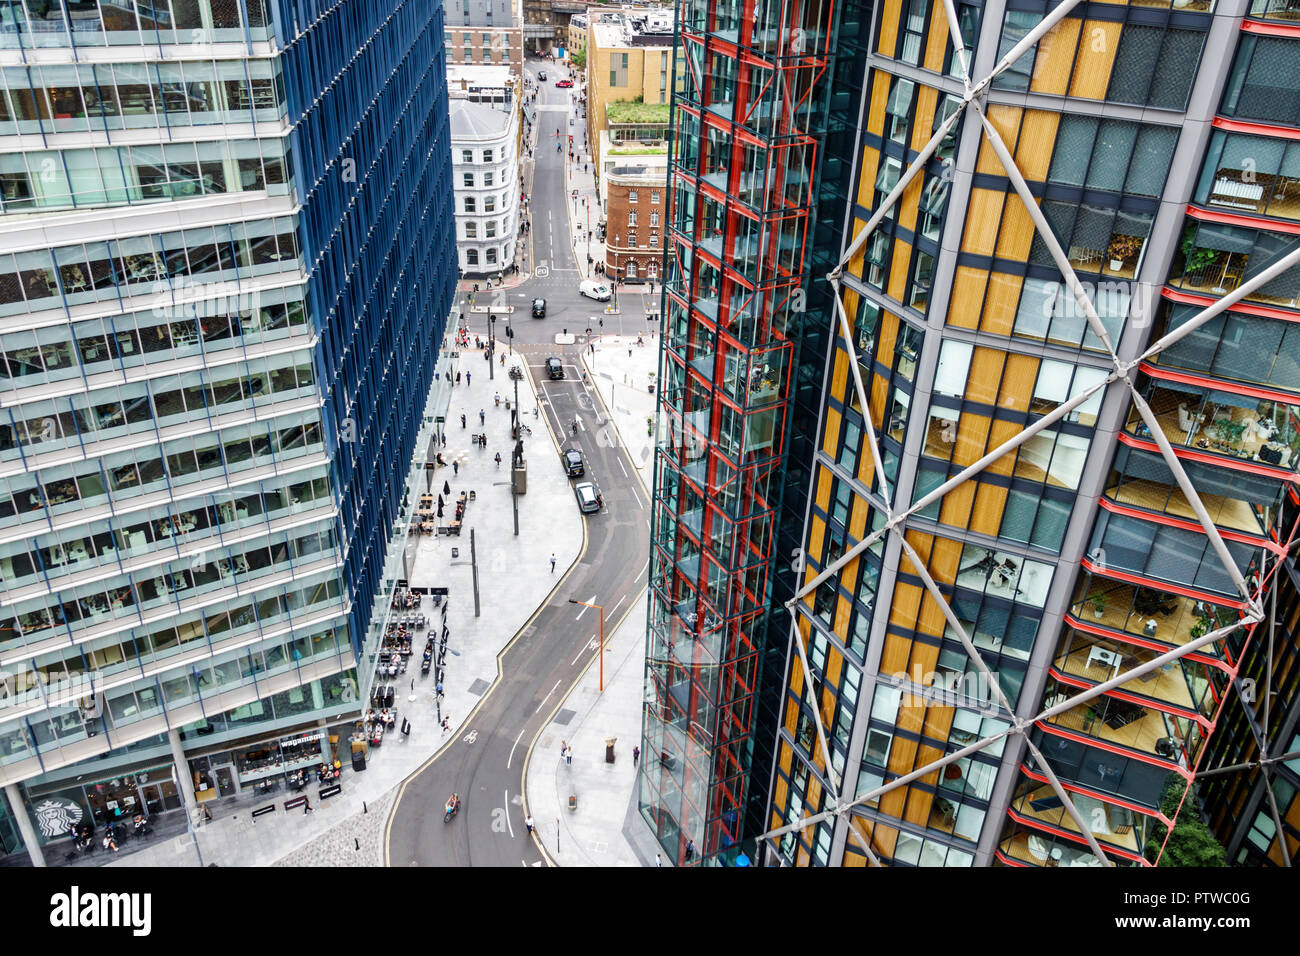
<point>485,762</point>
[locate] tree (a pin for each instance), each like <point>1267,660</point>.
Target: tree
<point>1192,843</point>
<point>579,58</point>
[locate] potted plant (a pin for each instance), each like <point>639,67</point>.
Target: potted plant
<point>1098,601</point>
<point>1202,625</point>
<point>1121,249</point>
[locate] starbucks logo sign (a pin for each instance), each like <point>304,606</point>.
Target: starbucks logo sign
<point>56,816</point>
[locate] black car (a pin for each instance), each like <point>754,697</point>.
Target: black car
<point>574,466</point>
<point>554,368</point>
<point>539,308</point>
<point>541,75</point>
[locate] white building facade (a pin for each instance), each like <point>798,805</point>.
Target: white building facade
<point>485,168</point>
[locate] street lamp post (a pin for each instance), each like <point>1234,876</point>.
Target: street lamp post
<point>492,342</point>
<point>602,638</point>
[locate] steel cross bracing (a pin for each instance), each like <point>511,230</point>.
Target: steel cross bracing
<point>894,522</point>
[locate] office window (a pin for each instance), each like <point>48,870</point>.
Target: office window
<point>467,155</point>
<point>487,39</point>
<point>654,196</point>
<point>471,230</point>
<point>469,204</point>
<point>489,178</point>
<point>471,257</point>
<point>464,38</point>
<point>492,229</point>
<point>654,219</point>
<point>469,54</point>
<point>492,256</point>
<point>487,55</point>
<point>654,241</point>
<point>1112,155</point>
<point>467,179</point>
<point>632,195</point>
<point>631,218</point>
<point>631,240</point>
<point>490,204</point>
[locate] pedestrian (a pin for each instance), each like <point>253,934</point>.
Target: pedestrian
<point>446,724</point>
<point>487,355</point>
<point>690,850</point>
<point>482,441</point>
<point>462,419</point>
<point>444,439</point>
<point>659,859</point>
<point>629,353</point>
<point>458,378</point>
<point>564,747</point>
<point>503,359</point>
<point>498,461</point>
<point>467,374</point>
<point>552,562</point>
<point>568,756</point>
<point>482,417</point>
<point>455,466</point>
<point>636,755</point>
<point>496,397</point>
<point>306,807</point>
<point>528,825</point>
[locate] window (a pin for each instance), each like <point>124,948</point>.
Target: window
<point>471,230</point>
<point>467,155</point>
<point>654,241</point>
<point>631,269</point>
<point>489,178</point>
<point>1265,84</point>
<point>914,32</point>
<point>468,179</point>
<point>631,240</point>
<point>490,204</point>
<point>654,219</point>
<point>487,158</point>
<point>469,54</point>
<point>471,257</point>
<point>487,39</point>
<point>469,204</point>
<point>492,256</point>
<point>1112,155</point>
<point>898,108</point>
<point>631,195</point>
<point>492,229</point>
<point>654,196</point>
<point>487,55</point>
<point>631,218</point>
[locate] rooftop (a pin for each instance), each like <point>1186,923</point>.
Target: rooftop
<point>627,112</point>
<point>473,120</point>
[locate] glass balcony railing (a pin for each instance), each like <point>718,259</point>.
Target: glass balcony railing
<point>1031,847</point>
<point>1181,684</point>
<point>1153,615</point>
<point>1124,723</point>
<point>1110,824</point>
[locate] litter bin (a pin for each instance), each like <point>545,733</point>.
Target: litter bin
<point>358,760</point>
<point>609,749</point>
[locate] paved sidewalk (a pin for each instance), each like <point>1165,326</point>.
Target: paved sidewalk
<point>515,579</point>
<point>605,829</point>
<point>586,210</point>
<point>622,372</point>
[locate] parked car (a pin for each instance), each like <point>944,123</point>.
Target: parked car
<point>554,368</point>
<point>541,75</point>
<point>594,290</point>
<point>564,83</point>
<point>539,308</point>
<point>574,466</point>
<point>588,497</point>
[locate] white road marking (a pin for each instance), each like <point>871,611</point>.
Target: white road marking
<point>585,609</point>
<point>643,568</point>
<point>547,697</point>
<point>620,601</point>
<point>507,806</point>
<point>585,648</point>
<point>622,469</point>
<point>510,759</point>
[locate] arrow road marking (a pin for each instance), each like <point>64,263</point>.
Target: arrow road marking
<point>547,697</point>
<point>585,609</point>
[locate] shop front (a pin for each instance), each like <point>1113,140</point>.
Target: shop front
<point>261,766</point>
<point>56,809</point>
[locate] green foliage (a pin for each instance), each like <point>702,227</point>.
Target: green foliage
<point>1192,843</point>
<point>579,58</point>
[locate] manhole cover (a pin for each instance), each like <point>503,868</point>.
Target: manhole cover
<point>479,687</point>
<point>564,716</point>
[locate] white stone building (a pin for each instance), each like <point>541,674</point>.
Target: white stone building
<point>485,168</point>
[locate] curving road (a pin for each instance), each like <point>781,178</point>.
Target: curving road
<point>485,762</point>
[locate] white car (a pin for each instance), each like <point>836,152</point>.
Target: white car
<point>594,290</point>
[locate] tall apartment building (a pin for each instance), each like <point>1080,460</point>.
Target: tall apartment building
<point>223,278</point>
<point>485,143</point>
<point>1031,528</point>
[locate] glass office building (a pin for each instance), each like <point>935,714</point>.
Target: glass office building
<point>1020,497</point>
<point>222,290</point>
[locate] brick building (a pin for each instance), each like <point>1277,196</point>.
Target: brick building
<point>636,207</point>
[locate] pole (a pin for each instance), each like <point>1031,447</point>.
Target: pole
<point>602,650</point>
<point>473,561</point>
<point>492,342</point>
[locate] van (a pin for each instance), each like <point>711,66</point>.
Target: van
<point>593,289</point>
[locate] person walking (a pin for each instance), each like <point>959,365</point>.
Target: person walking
<point>552,562</point>
<point>528,825</point>
<point>564,748</point>
<point>659,859</point>
<point>482,417</point>
<point>568,755</point>
<point>458,378</point>
<point>498,461</point>
<point>462,419</point>
<point>455,466</point>
<point>467,374</point>
<point>690,850</point>
<point>496,397</point>
<point>636,755</point>
<point>306,806</point>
